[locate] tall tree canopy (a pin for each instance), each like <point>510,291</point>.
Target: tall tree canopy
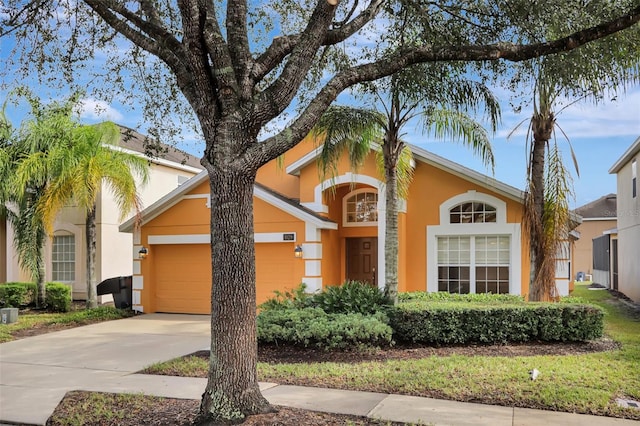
<point>240,65</point>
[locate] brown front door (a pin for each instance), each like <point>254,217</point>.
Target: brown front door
<point>362,259</point>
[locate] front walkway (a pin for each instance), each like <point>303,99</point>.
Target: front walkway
<point>36,372</point>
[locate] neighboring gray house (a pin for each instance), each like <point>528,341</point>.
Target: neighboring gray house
<point>628,212</point>
<point>598,218</point>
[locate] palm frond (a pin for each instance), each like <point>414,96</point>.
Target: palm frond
<point>460,127</point>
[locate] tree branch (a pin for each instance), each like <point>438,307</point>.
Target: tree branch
<point>279,94</point>
<point>283,46</point>
<point>238,43</point>
<point>275,146</point>
<point>161,43</point>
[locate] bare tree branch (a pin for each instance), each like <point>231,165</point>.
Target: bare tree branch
<point>279,94</point>
<point>283,46</point>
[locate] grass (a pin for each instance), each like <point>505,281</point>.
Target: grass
<point>30,320</point>
<point>575,383</point>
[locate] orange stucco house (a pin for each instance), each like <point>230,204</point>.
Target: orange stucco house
<point>459,231</point>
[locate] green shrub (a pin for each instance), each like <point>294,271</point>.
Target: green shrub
<point>350,297</point>
<point>296,298</point>
<point>485,298</point>
<point>17,295</point>
<point>455,323</point>
<point>58,297</point>
<point>312,327</point>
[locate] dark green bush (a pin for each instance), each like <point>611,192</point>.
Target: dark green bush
<point>350,297</point>
<point>17,295</point>
<point>296,298</point>
<point>455,323</point>
<point>58,297</point>
<point>312,327</point>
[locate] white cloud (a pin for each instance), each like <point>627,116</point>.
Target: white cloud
<point>92,109</point>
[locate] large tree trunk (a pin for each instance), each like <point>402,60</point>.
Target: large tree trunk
<point>232,391</point>
<point>542,126</point>
<point>90,228</point>
<point>391,220</point>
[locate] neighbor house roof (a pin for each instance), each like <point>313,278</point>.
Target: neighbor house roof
<point>626,157</point>
<point>158,152</point>
<point>604,208</point>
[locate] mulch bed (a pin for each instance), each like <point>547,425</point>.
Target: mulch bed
<point>171,411</point>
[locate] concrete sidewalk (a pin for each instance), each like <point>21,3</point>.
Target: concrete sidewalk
<point>35,374</point>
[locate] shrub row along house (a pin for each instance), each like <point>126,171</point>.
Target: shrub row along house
<point>65,252</point>
<point>459,231</point>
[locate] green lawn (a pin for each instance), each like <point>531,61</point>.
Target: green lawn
<point>577,383</point>
<point>42,322</point>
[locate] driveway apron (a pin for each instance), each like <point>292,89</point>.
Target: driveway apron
<point>36,372</point>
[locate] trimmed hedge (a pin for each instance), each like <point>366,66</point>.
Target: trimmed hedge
<point>20,295</point>
<point>58,297</point>
<point>17,295</point>
<point>312,327</point>
<point>456,323</point>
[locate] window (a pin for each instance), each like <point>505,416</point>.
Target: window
<point>474,264</point>
<point>361,208</point>
<point>472,212</point>
<point>63,258</point>
<point>454,260</point>
<point>634,179</point>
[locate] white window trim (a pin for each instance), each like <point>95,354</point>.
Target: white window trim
<point>499,228</point>
<point>346,223</point>
<point>512,230</point>
<point>471,196</point>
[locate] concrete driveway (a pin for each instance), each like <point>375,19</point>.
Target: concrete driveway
<point>36,372</point>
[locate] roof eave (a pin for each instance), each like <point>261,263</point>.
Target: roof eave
<point>624,159</point>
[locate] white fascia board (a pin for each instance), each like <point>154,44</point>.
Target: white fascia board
<point>160,161</point>
<point>169,200</point>
<point>594,219</point>
<point>626,157</point>
<point>295,167</point>
<point>467,173</point>
<point>292,210</point>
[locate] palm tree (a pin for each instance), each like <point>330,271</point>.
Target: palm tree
<point>81,170</point>
<point>547,216</point>
<point>24,176</point>
<point>443,111</point>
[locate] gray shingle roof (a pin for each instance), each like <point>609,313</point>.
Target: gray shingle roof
<point>152,148</point>
<point>603,207</point>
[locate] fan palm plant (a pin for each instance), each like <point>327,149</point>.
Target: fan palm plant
<point>443,112</point>
<point>81,171</point>
<point>24,176</point>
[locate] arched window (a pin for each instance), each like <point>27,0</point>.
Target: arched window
<point>360,208</point>
<point>472,212</point>
<point>474,249</point>
<point>63,257</point>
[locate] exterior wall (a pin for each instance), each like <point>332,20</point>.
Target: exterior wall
<point>114,249</point>
<point>3,250</point>
<point>113,263</point>
<point>187,222</point>
<point>628,233</point>
<point>274,175</point>
<point>431,187</point>
<point>588,229</point>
